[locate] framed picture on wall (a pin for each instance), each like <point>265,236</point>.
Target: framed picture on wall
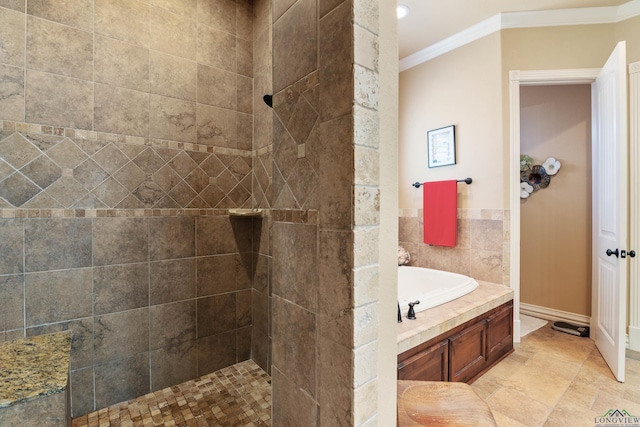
<point>441,146</point>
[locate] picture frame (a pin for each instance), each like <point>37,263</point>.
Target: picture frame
<point>441,146</point>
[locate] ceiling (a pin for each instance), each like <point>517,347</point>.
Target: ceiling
<point>430,21</point>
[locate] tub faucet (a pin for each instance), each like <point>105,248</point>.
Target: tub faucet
<point>411,315</point>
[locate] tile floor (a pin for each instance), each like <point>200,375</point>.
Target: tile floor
<point>556,379</point>
<point>551,379</point>
<point>239,395</point>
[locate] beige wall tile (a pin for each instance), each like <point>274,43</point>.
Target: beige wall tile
<point>366,127</point>
<point>81,386</point>
<point>46,92</point>
<point>245,94</point>
<point>294,343</point>
<point>336,300</point>
<point>244,19</point>
<point>13,4</point>
<point>59,49</point>
<point>486,234</point>
<point>121,64</point>
<point>172,280</point>
<point>12,40</point>
<point>71,238</point>
<point>216,352</point>
<point>120,287</point>
<point>12,93</point>
<point>171,324</point>
<point>119,110</point>
<point>216,48</point>
<point>219,14</point>
<point>172,34</point>
<point>172,119</point>
<point>365,48</point>
<point>365,402</point>
<point>216,126</point>
<point>295,244</point>
<point>126,20</point>
<point>365,324</point>
<point>120,241</point>
<point>245,131</point>
<point>336,59</point>
<point>301,20</point>
<point>217,87</point>
<point>70,289</point>
<point>245,57</point>
<point>132,371</point>
<point>367,169</point>
<point>186,8</point>
<point>296,408</point>
<point>448,259</point>
<point>76,13</point>
<point>335,377</point>
<point>367,206</point>
<point>12,294</point>
<point>121,334</point>
<point>486,265</point>
<point>172,76</point>
<point>173,364</point>
<point>335,174</point>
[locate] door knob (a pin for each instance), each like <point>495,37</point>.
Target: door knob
<point>610,252</point>
<point>632,254</point>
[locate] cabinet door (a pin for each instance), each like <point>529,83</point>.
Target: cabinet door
<point>429,364</point>
<point>499,333</point>
<point>467,352</point>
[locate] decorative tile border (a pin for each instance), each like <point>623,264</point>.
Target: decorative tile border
<point>280,215</point>
<point>37,129</point>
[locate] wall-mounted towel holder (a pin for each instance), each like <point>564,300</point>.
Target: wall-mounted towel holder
<point>466,181</point>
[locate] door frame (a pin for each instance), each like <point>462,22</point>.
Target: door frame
<point>634,202</point>
<point>519,78</point>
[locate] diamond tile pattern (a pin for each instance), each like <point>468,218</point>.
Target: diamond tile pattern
<point>295,136</point>
<point>53,171</point>
<point>239,395</point>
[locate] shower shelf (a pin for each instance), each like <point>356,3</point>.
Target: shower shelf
<point>246,212</point>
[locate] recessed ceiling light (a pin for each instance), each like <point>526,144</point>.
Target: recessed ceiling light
<point>403,10</point>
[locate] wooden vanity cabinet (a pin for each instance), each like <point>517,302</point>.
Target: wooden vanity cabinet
<point>463,353</point>
<point>500,334</point>
<point>467,352</point>
<point>430,363</point>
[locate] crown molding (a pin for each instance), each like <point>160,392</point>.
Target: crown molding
<point>466,36</point>
<point>543,18</point>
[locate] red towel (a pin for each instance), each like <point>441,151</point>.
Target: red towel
<point>440,203</point>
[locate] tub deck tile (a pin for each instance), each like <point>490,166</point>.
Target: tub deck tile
<point>436,320</point>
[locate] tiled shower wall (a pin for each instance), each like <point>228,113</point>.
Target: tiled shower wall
<point>481,252</point>
<point>125,132</point>
<point>325,225</point>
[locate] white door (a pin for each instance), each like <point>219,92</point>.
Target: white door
<point>610,204</point>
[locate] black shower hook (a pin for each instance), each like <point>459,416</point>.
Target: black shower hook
<point>268,99</point>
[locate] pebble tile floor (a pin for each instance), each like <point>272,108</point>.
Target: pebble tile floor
<point>239,395</point>
<point>551,379</point>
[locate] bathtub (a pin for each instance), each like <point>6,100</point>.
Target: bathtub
<point>430,287</point>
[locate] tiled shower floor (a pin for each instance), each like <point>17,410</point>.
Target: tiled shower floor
<point>239,395</point>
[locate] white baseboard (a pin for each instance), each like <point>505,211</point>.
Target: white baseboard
<point>554,315</point>
<point>634,338</point>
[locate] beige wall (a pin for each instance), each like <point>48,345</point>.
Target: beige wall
<point>464,79</point>
<point>387,291</point>
<point>628,30</point>
<point>461,88</point>
<point>555,240</point>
